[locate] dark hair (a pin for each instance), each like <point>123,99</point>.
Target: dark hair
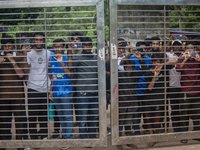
<point>77,34</point>
<point>155,38</point>
<point>120,39</point>
<point>38,33</point>
<point>156,56</point>
<point>140,43</point>
<point>87,40</point>
<point>7,39</point>
<point>56,41</point>
<point>129,62</point>
<point>147,40</point>
<point>189,42</point>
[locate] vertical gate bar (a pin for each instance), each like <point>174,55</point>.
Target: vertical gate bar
<point>45,29</point>
<point>165,97</point>
<point>113,71</point>
<point>101,73</point>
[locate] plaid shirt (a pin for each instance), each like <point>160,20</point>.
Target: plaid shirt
<point>190,80</point>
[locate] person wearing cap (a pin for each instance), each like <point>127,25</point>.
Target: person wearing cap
<point>174,88</point>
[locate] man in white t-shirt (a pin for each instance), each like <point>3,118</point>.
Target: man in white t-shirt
<point>38,86</point>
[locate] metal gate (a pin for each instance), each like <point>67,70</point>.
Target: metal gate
<point>61,19</point>
<point>140,20</point>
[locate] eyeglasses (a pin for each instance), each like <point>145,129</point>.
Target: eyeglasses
<point>58,46</point>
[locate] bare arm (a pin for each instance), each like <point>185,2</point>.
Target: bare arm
<point>59,58</point>
<point>108,59</point>
<point>69,59</point>
<point>18,70</point>
<point>151,85</point>
<point>156,73</point>
<point>125,58</point>
<point>51,88</point>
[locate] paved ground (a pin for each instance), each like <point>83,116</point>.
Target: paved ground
<point>175,145</point>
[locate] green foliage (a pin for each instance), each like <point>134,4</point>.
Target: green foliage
<point>185,17</point>
<point>21,16</point>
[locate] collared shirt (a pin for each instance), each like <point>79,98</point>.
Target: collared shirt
<point>189,76</point>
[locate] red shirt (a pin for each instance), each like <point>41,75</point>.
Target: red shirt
<point>189,76</point>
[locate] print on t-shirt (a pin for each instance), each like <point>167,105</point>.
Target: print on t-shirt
<point>40,60</point>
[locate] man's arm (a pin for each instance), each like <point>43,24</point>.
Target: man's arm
<point>108,59</point>
<point>181,62</point>
<point>151,85</point>
<point>51,88</point>
<point>69,55</point>
<point>125,58</point>
<point>18,70</point>
<point>168,44</point>
<point>59,58</point>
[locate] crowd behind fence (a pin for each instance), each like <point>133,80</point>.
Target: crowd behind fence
<point>158,83</point>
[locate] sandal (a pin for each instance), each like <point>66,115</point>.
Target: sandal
<point>132,146</point>
<point>184,141</point>
<point>151,144</point>
<point>120,147</point>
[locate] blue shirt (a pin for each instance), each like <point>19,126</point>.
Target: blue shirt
<point>142,84</point>
<point>62,84</point>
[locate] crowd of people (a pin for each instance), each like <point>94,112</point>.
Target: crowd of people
<point>152,77</point>
<point>149,74</point>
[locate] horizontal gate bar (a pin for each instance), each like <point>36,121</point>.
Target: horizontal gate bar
<point>158,2</point>
<point>46,3</point>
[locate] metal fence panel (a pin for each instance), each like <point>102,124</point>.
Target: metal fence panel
<point>133,21</point>
<point>57,20</point>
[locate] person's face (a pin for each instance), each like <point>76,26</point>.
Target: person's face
<point>128,68</point>
<point>177,47</point>
<point>161,47</point>
<point>133,51</point>
<point>147,49</point>
<point>8,48</point>
<point>155,45</point>
<point>121,51</point>
<point>39,41</point>
<point>76,40</point>
<point>87,47</point>
<point>156,63</point>
<point>143,46</point>
<point>190,48</point>
<point>58,48</point>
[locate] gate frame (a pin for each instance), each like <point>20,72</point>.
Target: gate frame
<point>116,140</point>
<point>102,140</point>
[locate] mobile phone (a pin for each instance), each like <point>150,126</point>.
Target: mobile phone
<point>27,42</point>
<point>189,53</point>
<point>193,54</point>
<point>77,45</point>
<point>140,49</point>
<point>123,44</point>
